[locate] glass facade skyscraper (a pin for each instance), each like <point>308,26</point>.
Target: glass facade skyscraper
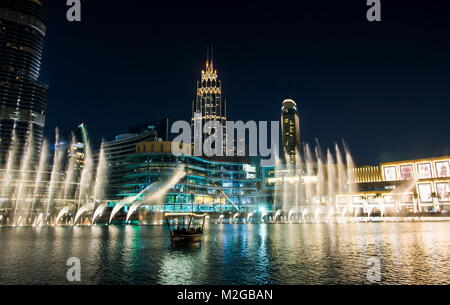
<point>23,97</point>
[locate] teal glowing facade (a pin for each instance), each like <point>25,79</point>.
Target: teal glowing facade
<point>208,186</point>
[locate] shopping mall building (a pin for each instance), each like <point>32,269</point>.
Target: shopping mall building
<point>421,185</point>
<point>210,185</point>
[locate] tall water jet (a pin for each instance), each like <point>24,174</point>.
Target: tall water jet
<point>85,188</point>
<point>101,175</point>
<point>331,177</point>
<point>42,169</point>
<point>99,184</point>
<point>309,160</point>
<point>277,200</point>
<point>320,176</point>
<point>25,175</point>
<point>86,179</point>
<point>69,185</point>
<point>54,177</point>
<point>342,172</point>
<point>8,172</point>
<point>350,170</point>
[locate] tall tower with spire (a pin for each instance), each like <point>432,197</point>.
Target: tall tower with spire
<point>209,104</point>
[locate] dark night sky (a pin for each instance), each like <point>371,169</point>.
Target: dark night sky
<point>383,87</point>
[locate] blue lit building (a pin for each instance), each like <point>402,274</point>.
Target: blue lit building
<point>209,185</point>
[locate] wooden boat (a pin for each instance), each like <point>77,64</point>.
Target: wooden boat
<point>185,233</point>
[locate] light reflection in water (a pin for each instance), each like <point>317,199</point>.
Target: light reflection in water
<point>410,253</point>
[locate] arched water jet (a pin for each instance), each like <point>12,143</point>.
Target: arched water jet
<point>220,220</point>
<point>88,207</point>
<point>235,216</point>
<point>64,211</point>
<point>99,211</point>
<point>158,189</point>
<point>264,214</point>
<point>277,214</point>
<point>291,213</point>
<point>39,220</point>
<point>249,216</point>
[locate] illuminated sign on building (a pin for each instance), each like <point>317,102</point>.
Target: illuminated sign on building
<point>424,170</point>
<point>390,173</point>
<point>443,169</point>
<point>425,191</point>
<point>443,190</point>
<point>407,172</point>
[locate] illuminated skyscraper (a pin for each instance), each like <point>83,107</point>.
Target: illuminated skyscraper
<point>23,97</point>
<point>209,104</point>
<point>290,130</point>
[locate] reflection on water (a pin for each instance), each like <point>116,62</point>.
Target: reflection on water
<point>410,253</point>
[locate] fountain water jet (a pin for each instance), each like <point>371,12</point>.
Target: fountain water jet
<point>159,190</point>
<point>99,211</point>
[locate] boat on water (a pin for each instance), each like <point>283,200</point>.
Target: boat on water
<point>186,231</point>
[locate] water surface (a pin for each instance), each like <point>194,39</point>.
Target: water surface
<point>410,253</point>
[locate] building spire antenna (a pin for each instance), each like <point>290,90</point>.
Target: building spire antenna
<point>212,54</point>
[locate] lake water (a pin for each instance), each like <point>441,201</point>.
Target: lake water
<point>409,253</point>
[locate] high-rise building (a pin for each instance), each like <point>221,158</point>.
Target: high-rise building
<point>23,97</point>
<point>290,130</point>
<point>209,104</point>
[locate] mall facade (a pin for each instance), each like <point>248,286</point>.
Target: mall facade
<point>419,186</point>
<point>210,184</point>
<point>391,188</point>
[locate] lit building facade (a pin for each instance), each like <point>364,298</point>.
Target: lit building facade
<point>419,186</point>
<point>290,130</point>
<point>23,97</point>
<point>208,186</point>
<point>209,104</point>
<point>117,153</point>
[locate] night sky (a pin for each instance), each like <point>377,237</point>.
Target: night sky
<point>383,87</point>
